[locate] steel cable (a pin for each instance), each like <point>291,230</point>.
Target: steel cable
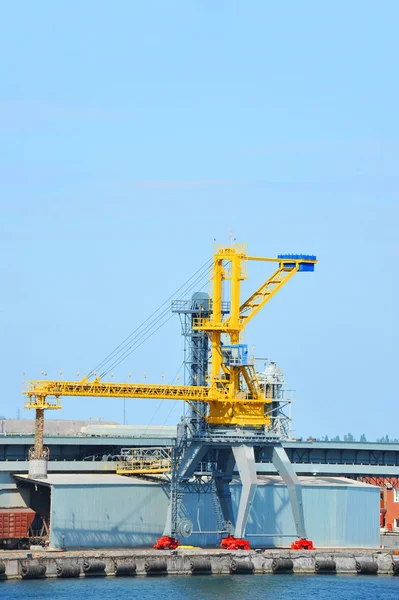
<point>162,401</point>
<point>136,343</point>
<point>130,343</point>
<point>127,340</point>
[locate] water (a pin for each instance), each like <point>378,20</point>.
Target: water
<point>234,587</point>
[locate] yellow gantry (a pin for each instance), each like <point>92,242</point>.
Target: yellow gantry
<point>233,395</point>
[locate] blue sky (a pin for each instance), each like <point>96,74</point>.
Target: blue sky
<point>132,135</point>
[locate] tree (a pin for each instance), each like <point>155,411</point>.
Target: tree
<point>336,439</point>
<point>363,438</point>
<point>384,439</point>
<point>326,438</point>
<point>349,437</point>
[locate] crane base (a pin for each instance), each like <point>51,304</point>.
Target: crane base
<point>232,543</point>
<point>302,545</point>
<point>166,542</point>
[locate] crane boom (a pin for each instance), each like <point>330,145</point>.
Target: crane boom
<point>39,390</point>
<point>40,393</point>
<point>265,292</point>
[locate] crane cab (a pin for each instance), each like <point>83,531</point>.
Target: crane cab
<point>235,355</point>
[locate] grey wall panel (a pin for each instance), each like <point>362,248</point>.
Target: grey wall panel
<point>199,509</point>
<point>10,495</point>
<point>107,516</point>
<point>340,516</point>
<point>95,516</point>
<point>271,514</point>
<point>363,517</point>
<point>14,498</point>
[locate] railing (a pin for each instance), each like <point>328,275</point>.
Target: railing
<point>208,324</point>
<point>206,467</point>
<point>196,306</point>
<point>231,249</point>
<point>44,454</point>
<point>155,460</point>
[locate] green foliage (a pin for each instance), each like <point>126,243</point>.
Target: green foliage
<point>386,440</point>
<point>349,437</point>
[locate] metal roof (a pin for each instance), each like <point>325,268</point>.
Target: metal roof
<point>156,435</point>
<point>81,479</point>
<point>317,481</point>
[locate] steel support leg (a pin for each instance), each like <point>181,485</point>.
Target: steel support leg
<point>245,461</point>
<point>286,471</point>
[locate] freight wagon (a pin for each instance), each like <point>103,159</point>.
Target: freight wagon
<point>14,527</point>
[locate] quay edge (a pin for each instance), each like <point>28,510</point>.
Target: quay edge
<point>179,562</point>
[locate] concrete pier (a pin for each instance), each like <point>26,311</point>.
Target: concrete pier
<point>47,563</point>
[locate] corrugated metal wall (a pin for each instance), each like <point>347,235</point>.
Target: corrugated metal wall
<point>134,515</point>
<point>100,516</point>
<point>334,516</point>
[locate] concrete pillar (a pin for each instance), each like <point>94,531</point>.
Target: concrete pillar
<point>38,468</point>
<point>38,455</point>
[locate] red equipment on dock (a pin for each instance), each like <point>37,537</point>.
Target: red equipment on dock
<point>14,525</point>
<point>302,545</point>
<point>167,543</point>
<point>232,543</point>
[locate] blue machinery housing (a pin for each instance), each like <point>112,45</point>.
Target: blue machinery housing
<point>302,266</point>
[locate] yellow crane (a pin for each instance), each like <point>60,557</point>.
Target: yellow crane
<point>233,396</point>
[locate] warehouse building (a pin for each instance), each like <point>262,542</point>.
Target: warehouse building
<point>112,511</point>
